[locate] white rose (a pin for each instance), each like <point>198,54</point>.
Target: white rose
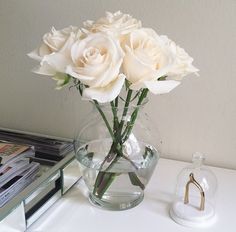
<point>183,62</point>
<point>116,23</point>
<point>147,58</point>
<point>54,53</point>
<point>96,63</point>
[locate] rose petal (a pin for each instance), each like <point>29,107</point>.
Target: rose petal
<point>106,69</point>
<point>137,86</point>
<point>57,61</point>
<point>40,52</point>
<point>105,94</point>
<point>68,44</point>
<point>34,55</point>
<point>161,87</point>
<point>44,69</point>
<point>72,71</point>
<point>134,69</point>
<point>109,75</point>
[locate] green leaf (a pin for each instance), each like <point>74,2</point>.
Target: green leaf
<point>90,155</point>
<point>127,84</point>
<point>148,152</point>
<point>62,79</point>
<point>163,78</point>
<point>135,180</point>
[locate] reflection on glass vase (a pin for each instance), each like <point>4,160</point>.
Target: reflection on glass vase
<point>117,168</point>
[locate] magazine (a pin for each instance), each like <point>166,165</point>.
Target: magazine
<point>18,182</point>
<point>16,170</point>
<point>43,145</point>
<point>11,169</point>
<point>10,151</point>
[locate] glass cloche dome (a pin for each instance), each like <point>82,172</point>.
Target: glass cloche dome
<point>194,203</point>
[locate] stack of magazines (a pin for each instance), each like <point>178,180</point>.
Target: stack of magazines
<point>16,169</point>
<point>48,151</point>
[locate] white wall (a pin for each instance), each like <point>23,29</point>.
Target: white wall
<point>199,115</point>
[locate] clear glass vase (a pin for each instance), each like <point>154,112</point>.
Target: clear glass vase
<point>116,156</point>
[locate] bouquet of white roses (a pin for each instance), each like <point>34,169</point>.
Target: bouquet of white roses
<point>108,55</point>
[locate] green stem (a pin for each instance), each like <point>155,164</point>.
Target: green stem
<point>104,119</point>
<point>116,101</point>
<point>135,180</point>
<point>77,85</point>
<point>133,164</point>
<point>136,95</point>
<point>134,115</point>
<point>142,97</point>
<point>127,101</point>
<point>104,178</point>
<point>115,117</point>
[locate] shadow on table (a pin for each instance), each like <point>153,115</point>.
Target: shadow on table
<point>159,203</point>
<point>79,193</point>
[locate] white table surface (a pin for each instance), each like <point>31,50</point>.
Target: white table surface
<point>74,213</point>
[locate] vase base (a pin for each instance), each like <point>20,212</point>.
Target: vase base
<point>111,202</point>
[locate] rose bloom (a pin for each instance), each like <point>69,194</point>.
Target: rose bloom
<point>96,63</point>
<point>115,23</point>
<point>149,57</point>
<point>183,62</point>
<point>54,52</point>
